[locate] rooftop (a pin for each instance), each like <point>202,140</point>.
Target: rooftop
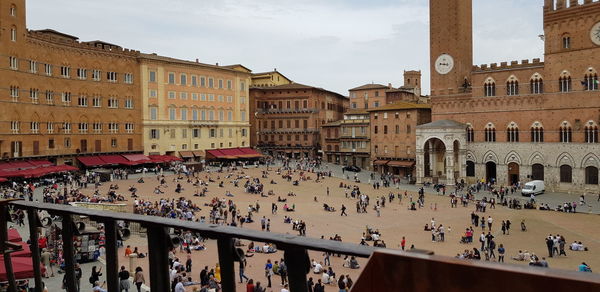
<point>156,57</point>
<point>443,124</point>
<point>401,105</point>
<point>370,86</point>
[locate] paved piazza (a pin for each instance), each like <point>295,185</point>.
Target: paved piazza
<point>395,221</point>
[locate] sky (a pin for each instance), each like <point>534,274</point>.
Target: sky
<point>333,44</point>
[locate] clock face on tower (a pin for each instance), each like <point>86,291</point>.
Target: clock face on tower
<point>595,34</point>
<point>444,64</point>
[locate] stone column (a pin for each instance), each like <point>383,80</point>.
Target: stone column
<point>449,167</point>
<point>462,160</point>
<point>420,166</point>
<point>432,158</point>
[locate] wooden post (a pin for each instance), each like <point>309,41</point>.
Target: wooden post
<point>112,260</point>
<point>225,247</point>
<point>158,254</point>
<point>68,252</point>
<point>3,239</point>
<point>32,216</point>
<point>298,263</point>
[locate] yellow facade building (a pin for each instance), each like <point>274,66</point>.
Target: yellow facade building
<point>189,107</point>
<point>269,79</point>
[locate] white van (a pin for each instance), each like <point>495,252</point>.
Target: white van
<point>534,187</point>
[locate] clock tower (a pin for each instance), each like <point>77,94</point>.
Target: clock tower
<point>451,45</point>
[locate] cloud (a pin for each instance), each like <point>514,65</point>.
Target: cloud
<point>334,44</point>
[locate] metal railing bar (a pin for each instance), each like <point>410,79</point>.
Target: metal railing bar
<point>282,241</point>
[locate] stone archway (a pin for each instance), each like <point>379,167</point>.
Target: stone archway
<point>434,159</point>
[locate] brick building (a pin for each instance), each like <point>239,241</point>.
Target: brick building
<point>269,79</point>
<point>393,136</point>
<point>190,107</point>
<point>354,139</point>
<point>330,142</point>
<point>514,121</point>
<point>287,119</point>
<point>63,97</point>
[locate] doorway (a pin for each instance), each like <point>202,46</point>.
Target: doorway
<point>513,173</point>
<point>490,171</point>
<point>537,172</point>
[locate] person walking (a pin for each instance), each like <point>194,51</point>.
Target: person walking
<point>343,210</point>
<point>95,276</point>
<point>403,243</point>
<point>138,278</point>
<point>242,267</point>
<point>45,258</point>
<point>78,275</point>
<point>283,272</point>
<point>268,272</point>
<point>124,280</point>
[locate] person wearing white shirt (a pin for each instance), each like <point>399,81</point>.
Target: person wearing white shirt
<point>318,268</point>
<point>179,286</point>
<point>325,277</point>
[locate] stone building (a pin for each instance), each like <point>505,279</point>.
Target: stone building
<point>330,142</point>
<point>392,136</point>
<point>520,120</point>
<point>354,139</point>
<point>190,107</point>
<point>63,97</point>
<point>287,119</point>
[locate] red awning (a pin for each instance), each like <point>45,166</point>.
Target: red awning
<point>22,268</point>
<point>186,154</point>
<point>215,153</point>
<point>91,161</point>
<point>13,235</point>
<point>113,159</point>
<point>25,252</point>
<point>401,164</point>
<point>380,162</point>
<point>41,163</point>
<point>139,158</point>
<point>198,153</point>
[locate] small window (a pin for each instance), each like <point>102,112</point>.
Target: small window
<point>13,10</point>
<point>13,34</point>
<point>566,42</point>
<point>152,77</point>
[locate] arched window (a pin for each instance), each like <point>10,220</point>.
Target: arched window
<point>565,133</point>
<point>590,80</point>
<point>470,134</point>
<point>591,132</point>
<point>566,174</point>
<point>13,10</point>
<point>490,133</point>
<point>512,86</point>
<point>591,175</point>
<point>566,42</point>
<point>536,84</point>
<point>13,34</point>
<point>564,82</point>
<point>489,87</point>
<point>512,132</point>
<point>537,132</point>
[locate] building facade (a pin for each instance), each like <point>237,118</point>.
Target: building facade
<point>330,142</point>
<point>522,120</point>
<point>355,139</point>
<point>393,128</point>
<point>63,97</point>
<point>287,119</point>
<point>191,106</point>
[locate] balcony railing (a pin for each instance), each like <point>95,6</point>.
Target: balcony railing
<point>289,131</point>
<point>386,270</point>
<point>288,111</point>
<point>295,247</point>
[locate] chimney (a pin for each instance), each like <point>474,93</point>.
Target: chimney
<point>217,64</point>
<point>390,85</point>
<point>197,61</point>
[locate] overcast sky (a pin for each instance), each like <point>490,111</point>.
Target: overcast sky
<point>334,44</point>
